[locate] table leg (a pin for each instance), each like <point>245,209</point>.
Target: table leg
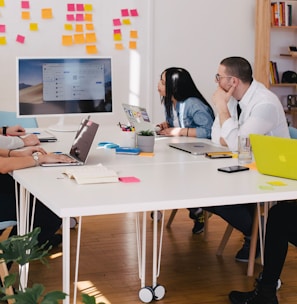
<point>66,258</point>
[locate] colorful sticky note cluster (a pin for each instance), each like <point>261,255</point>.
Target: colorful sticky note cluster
<point>118,23</point>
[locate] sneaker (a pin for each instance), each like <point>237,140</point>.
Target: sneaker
<point>244,253</point>
<point>260,295</point>
<point>198,218</point>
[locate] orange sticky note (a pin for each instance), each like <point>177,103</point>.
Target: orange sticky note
<point>26,15</point>
<point>91,37</point>
<point>67,40</point>
<point>89,17</point>
<point>90,27</point>
<point>91,49</point>
<point>133,34</point>
<point>79,38</point>
<point>79,28</point>
<point>132,45</point>
<point>46,13</point>
<point>119,46</point>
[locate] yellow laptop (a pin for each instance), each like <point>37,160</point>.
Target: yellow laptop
<point>275,156</point>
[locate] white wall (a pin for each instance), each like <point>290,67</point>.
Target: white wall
<point>193,34</point>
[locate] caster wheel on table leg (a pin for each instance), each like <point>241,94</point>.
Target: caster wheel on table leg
<point>146,294</point>
<point>159,292</point>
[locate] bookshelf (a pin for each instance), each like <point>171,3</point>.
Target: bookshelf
<point>272,41</point>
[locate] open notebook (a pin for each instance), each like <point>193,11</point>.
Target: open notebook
<point>275,156</point>
<point>81,145</point>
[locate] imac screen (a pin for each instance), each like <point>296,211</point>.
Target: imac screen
<point>59,86</point>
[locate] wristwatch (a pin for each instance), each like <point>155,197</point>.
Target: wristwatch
<point>36,158</point>
<point>4,129</point>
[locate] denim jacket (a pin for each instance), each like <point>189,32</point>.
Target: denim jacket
<point>192,113</point>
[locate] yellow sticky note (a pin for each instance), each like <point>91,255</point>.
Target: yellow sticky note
<point>67,40</point>
<point>90,27</point>
<point>91,49</point>
<point>2,3</point>
<point>79,28</point>
<point>91,37</point>
<point>33,26</point>
<point>68,27</point>
<point>117,37</point>
<point>88,7</point>
<point>79,38</point>
<point>2,40</point>
<point>277,183</point>
<point>126,21</point>
<point>133,34</point>
<point>46,13</point>
<point>119,46</point>
<point>26,15</point>
<point>133,45</point>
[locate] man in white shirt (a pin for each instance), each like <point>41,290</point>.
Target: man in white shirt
<point>261,113</point>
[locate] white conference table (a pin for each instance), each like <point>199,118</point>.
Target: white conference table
<point>172,179</point>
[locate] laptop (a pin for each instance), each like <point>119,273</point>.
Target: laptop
<point>276,156</point>
<point>139,118</point>
<point>198,148</point>
<point>81,145</point>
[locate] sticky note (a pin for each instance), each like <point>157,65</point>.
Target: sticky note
<point>126,21</point>
<point>149,154</point>
<point>26,15</point>
<point>79,28</point>
<point>129,179</point>
<point>134,12</point>
<point>71,7</point>
<point>2,28</point>
<point>91,49</point>
<point>88,7</point>
<point>132,45</point>
<point>119,46</point>
<point>89,27</point>
<point>125,12</point>
<point>20,39</point>
<point>46,13</point>
<point>70,17</point>
<point>79,38</point>
<point>116,22</point>
<point>133,34</point>
<point>25,4</point>
<point>80,7</point>
<point>67,40</point>
<point>276,183</point>
<point>89,17</point>
<point>68,27</point>
<point>91,37</point>
<point>33,26</point>
<point>79,17</point>
<point>2,3</point>
<point>2,40</point>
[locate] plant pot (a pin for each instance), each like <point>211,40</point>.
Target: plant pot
<point>145,143</point>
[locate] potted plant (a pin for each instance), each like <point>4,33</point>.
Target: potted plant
<point>22,250</point>
<point>145,140</point>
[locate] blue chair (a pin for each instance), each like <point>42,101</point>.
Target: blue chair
<point>293,132</point>
<point>10,119</point>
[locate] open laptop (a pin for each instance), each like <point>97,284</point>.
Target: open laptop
<point>198,148</point>
<point>139,118</point>
<point>81,145</point>
<point>275,156</point>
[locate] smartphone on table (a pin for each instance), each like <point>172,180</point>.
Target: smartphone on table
<point>233,169</point>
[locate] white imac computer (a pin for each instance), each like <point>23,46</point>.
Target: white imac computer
<point>63,86</point>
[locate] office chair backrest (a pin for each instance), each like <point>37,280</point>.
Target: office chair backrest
<point>293,132</point>
<point>10,119</point>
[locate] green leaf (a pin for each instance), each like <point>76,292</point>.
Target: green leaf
<point>88,299</point>
<point>53,297</point>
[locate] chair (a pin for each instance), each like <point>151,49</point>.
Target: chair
<point>10,119</point>
<point>293,132</point>
<point>3,267</point>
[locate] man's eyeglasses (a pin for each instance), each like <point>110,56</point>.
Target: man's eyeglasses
<point>218,77</point>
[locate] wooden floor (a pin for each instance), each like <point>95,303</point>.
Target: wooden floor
<point>190,270</point>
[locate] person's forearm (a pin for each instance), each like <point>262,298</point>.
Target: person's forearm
<point>9,164</point>
<point>11,142</point>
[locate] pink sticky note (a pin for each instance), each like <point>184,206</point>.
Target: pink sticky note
<point>80,17</point>
<point>116,22</point>
<point>71,7</point>
<point>117,31</point>
<point>2,28</point>
<point>25,4</point>
<point>20,39</point>
<point>70,17</point>
<point>80,7</point>
<point>129,179</point>
<point>125,12</point>
<point>134,12</point>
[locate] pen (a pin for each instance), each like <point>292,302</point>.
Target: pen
<point>36,133</point>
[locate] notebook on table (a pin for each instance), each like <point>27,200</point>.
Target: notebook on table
<point>139,118</point>
<point>81,145</point>
<point>198,148</point>
<point>275,156</point>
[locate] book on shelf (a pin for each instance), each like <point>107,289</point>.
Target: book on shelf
<point>92,174</point>
<point>281,13</point>
<point>274,74</point>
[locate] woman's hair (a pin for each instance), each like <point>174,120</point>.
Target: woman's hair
<point>238,67</point>
<point>180,85</point>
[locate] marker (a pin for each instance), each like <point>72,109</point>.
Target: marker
<point>36,133</point>
<point>57,152</point>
